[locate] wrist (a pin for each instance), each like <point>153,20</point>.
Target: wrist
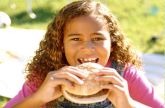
<point>37,99</point>
<point>29,102</point>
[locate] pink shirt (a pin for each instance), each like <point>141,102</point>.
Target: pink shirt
<point>139,88</point>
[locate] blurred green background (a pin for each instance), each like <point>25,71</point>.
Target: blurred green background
<point>141,20</point>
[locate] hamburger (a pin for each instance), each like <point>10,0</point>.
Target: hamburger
<point>90,91</point>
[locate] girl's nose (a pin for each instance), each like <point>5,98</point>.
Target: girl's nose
<point>88,45</point>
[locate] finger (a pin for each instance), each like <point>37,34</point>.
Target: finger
<point>60,81</point>
<point>78,72</point>
<point>110,79</point>
<point>69,76</point>
<point>113,87</point>
<point>109,72</point>
<point>107,86</point>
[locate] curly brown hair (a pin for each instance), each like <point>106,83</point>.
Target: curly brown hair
<point>50,54</point>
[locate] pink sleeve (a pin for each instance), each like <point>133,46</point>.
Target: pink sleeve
<point>24,92</point>
<point>140,89</point>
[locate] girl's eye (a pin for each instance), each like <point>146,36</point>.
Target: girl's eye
<point>75,39</point>
<point>97,39</point>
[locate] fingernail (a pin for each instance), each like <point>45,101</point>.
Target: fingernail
<point>81,82</point>
<point>97,78</point>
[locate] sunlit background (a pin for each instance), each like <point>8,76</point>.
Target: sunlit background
<point>23,24</point>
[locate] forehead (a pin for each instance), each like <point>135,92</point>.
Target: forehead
<point>88,21</point>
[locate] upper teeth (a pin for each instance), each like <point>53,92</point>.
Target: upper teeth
<point>88,60</point>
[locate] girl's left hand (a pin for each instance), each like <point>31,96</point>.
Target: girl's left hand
<point>118,88</point>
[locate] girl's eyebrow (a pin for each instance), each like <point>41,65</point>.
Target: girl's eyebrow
<point>73,34</point>
<point>97,33</point>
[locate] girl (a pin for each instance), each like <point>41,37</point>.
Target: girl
<point>85,31</point>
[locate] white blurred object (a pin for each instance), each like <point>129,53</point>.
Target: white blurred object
<point>17,46</point>
<point>154,66</point>
<point>31,14</point>
<point>5,20</point>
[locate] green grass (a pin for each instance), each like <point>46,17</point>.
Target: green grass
<point>44,9</point>
<point>3,101</point>
<point>140,22</point>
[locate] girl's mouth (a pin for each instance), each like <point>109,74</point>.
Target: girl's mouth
<point>85,60</point>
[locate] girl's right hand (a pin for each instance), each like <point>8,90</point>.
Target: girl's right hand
<point>51,87</point>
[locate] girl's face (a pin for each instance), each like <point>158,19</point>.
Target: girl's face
<point>86,39</point>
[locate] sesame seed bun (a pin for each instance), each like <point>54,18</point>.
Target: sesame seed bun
<point>90,91</point>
